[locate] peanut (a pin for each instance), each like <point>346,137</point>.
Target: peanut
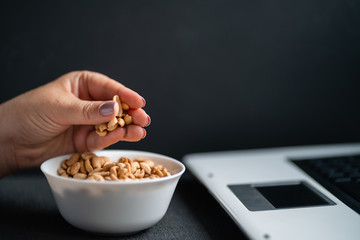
<point>121,122</point>
<point>149,162</point>
<point>97,162</point>
<point>87,155</point>
<point>108,166</point>
<point>112,124</point>
<point>128,167</point>
<point>131,176</point>
<point>63,164</point>
<point>124,106</point>
<point>74,169</point>
<point>124,160</point>
<point>113,170</point>
<point>128,119</point>
<point>102,127</point>
<point>64,175</point>
<point>102,173</point>
<point>74,158</point>
<point>88,166</point>
<point>98,178</point>
<point>159,173</point>
<point>146,167</point>
<point>82,167</point>
<point>61,171</point>
<point>95,171</point>
<point>139,173</point>
<point>80,176</point>
<point>113,177</point>
<point>99,168</point>
<point>100,133</point>
<point>134,166</point>
<point>117,99</point>
<point>122,172</point>
<point>121,119</point>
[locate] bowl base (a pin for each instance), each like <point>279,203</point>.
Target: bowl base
<point>112,234</point>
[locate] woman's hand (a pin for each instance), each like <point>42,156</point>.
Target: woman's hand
<point>59,118</point>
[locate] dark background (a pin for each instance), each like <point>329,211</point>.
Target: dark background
<point>217,75</point>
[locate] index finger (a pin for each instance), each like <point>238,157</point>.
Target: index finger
<point>100,87</point>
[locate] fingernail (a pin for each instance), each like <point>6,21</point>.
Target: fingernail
<point>144,135</point>
<point>144,102</point>
<point>107,109</point>
<point>149,120</point>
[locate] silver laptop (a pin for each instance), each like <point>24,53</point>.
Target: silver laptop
<point>310,192</point>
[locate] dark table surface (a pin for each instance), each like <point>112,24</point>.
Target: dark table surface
<point>28,211</point>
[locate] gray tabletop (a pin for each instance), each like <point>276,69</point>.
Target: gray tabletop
<point>28,211</point>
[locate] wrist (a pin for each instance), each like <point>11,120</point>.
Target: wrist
<point>7,153</point>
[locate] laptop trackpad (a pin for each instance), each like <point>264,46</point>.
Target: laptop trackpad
<point>260,197</point>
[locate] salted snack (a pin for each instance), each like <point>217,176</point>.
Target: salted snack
<point>121,119</point>
<point>99,168</point>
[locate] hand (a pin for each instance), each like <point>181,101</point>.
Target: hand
<point>59,118</point>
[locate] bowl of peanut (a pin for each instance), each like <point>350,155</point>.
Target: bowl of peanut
<point>113,191</point>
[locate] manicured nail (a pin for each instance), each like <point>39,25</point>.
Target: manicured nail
<point>149,120</point>
<point>144,135</point>
<point>107,109</point>
<point>144,102</point>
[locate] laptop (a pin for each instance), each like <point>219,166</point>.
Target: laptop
<point>308,192</point>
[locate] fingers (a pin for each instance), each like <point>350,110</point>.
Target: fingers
<point>91,103</point>
<point>97,86</point>
<point>140,117</point>
<point>131,133</point>
<point>89,91</point>
<point>74,111</point>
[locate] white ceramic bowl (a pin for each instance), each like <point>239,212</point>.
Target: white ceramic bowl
<point>114,207</point>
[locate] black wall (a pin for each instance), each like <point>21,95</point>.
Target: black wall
<point>217,75</point>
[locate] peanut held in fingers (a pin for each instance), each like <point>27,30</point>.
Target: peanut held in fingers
<point>121,119</point>
<point>128,119</point>
<point>99,168</point>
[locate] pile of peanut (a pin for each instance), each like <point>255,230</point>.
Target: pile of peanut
<point>92,167</point>
<point>121,119</point>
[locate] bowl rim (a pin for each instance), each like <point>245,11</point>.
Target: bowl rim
<point>121,182</point>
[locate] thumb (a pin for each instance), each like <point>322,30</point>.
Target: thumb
<point>91,112</point>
